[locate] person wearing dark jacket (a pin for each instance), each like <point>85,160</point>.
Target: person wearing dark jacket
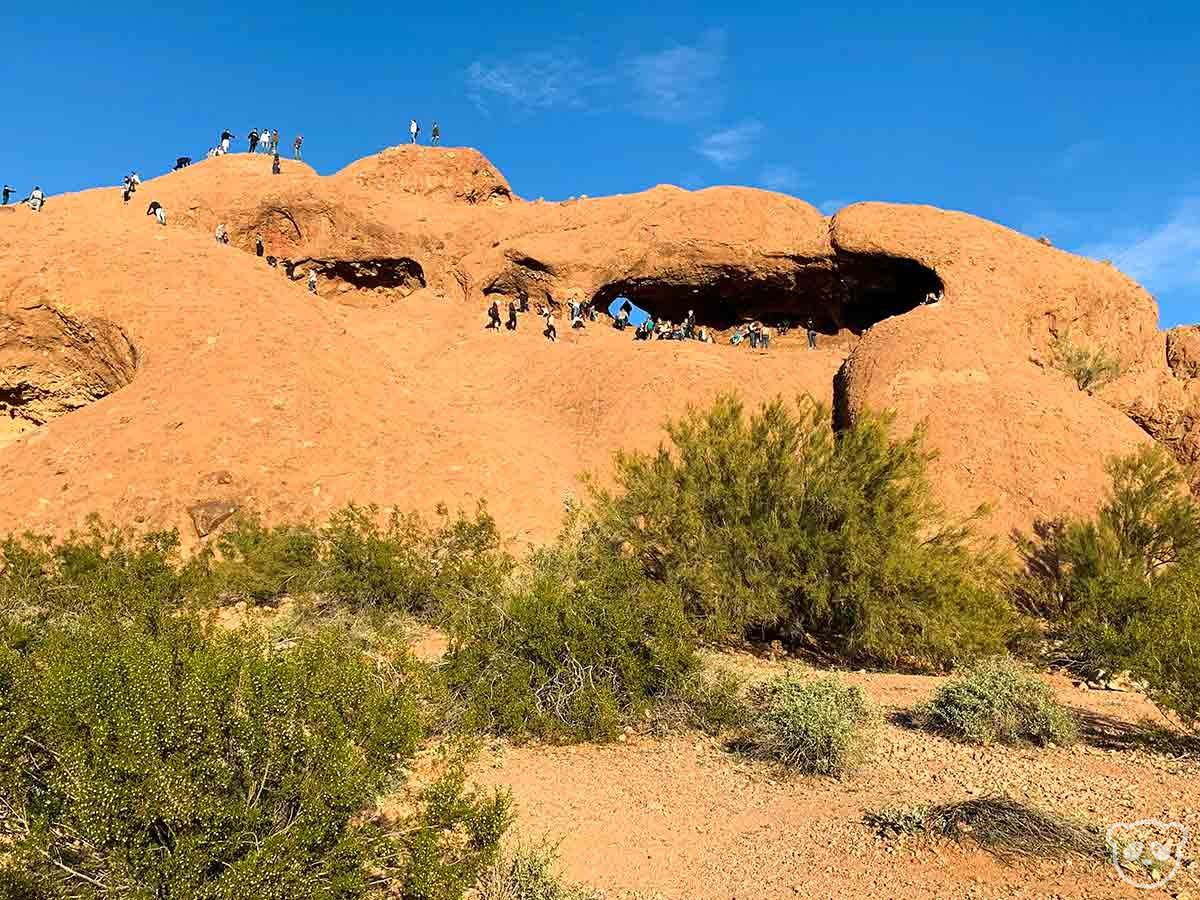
<point>253,139</point>
<point>259,248</point>
<point>275,164</point>
<point>494,316</point>
<point>512,316</point>
<point>435,136</point>
<point>8,192</point>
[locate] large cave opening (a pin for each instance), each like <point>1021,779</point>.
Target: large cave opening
<point>361,282</point>
<point>52,363</point>
<point>846,292</point>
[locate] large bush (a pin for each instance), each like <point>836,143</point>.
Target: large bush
<point>145,756</point>
<point>578,644</point>
<point>772,522</point>
<point>818,726</point>
<point>1122,590</point>
<point>998,701</point>
<point>400,563</point>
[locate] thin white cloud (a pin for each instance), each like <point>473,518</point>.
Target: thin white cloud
<point>682,82</point>
<point>1163,258</point>
<point>779,178</point>
<point>534,80</point>
<point>733,145</point>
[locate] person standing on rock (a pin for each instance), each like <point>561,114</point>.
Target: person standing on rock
<point>494,316</point>
<point>275,164</point>
<point>264,141</point>
<point>551,333</point>
<point>812,335</point>
<point>156,209</point>
<point>512,316</point>
<point>221,234</point>
<point>413,130</point>
<point>296,146</point>
<point>259,247</point>
<point>8,192</point>
<point>312,281</point>
<point>226,137</point>
<point>253,139</point>
<point>435,134</point>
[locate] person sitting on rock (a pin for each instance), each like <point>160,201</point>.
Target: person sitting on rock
<point>933,298</point>
<point>435,134</point>
<point>512,316</point>
<point>494,317</point>
<point>156,209</point>
<point>253,138</point>
<point>221,234</point>
<point>704,337</point>
<point>812,335</point>
<point>312,281</point>
<point>736,337</point>
<point>259,247</point>
<point>621,320</point>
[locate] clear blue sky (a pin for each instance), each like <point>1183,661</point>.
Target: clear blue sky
<point>1076,120</point>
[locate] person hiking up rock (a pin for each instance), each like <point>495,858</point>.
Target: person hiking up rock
<point>36,199</point>
<point>156,209</point>
<point>253,138</point>
<point>275,164</point>
<point>226,137</point>
<point>435,134</point>
<point>494,316</point>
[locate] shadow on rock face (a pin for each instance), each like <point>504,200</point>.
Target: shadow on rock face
<point>52,363</point>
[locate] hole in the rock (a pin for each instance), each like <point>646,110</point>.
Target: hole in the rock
<point>847,292</point>
<point>52,364</point>
<point>362,282</point>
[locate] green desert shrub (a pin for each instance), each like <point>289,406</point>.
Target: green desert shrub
<point>149,756</point>
<point>708,701</point>
<point>1090,367</point>
<point>360,560</point>
<point>578,645</point>
<point>998,701</point>
<point>816,726</point>
<point>1121,591</point>
<point>772,522</point>
<point>528,873</point>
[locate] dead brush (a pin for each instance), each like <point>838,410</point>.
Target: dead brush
<point>1008,827</point>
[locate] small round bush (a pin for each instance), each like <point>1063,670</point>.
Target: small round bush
<point>819,726</point>
<point>998,701</point>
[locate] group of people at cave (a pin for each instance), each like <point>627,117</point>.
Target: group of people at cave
<point>754,334</point>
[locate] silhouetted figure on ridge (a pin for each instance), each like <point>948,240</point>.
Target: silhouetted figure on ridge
<point>296,146</point>
<point>435,134</point>
<point>8,192</point>
<point>253,139</point>
<point>413,130</point>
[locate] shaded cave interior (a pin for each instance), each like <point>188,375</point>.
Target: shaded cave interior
<point>848,292</point>
<point>844,292</point>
